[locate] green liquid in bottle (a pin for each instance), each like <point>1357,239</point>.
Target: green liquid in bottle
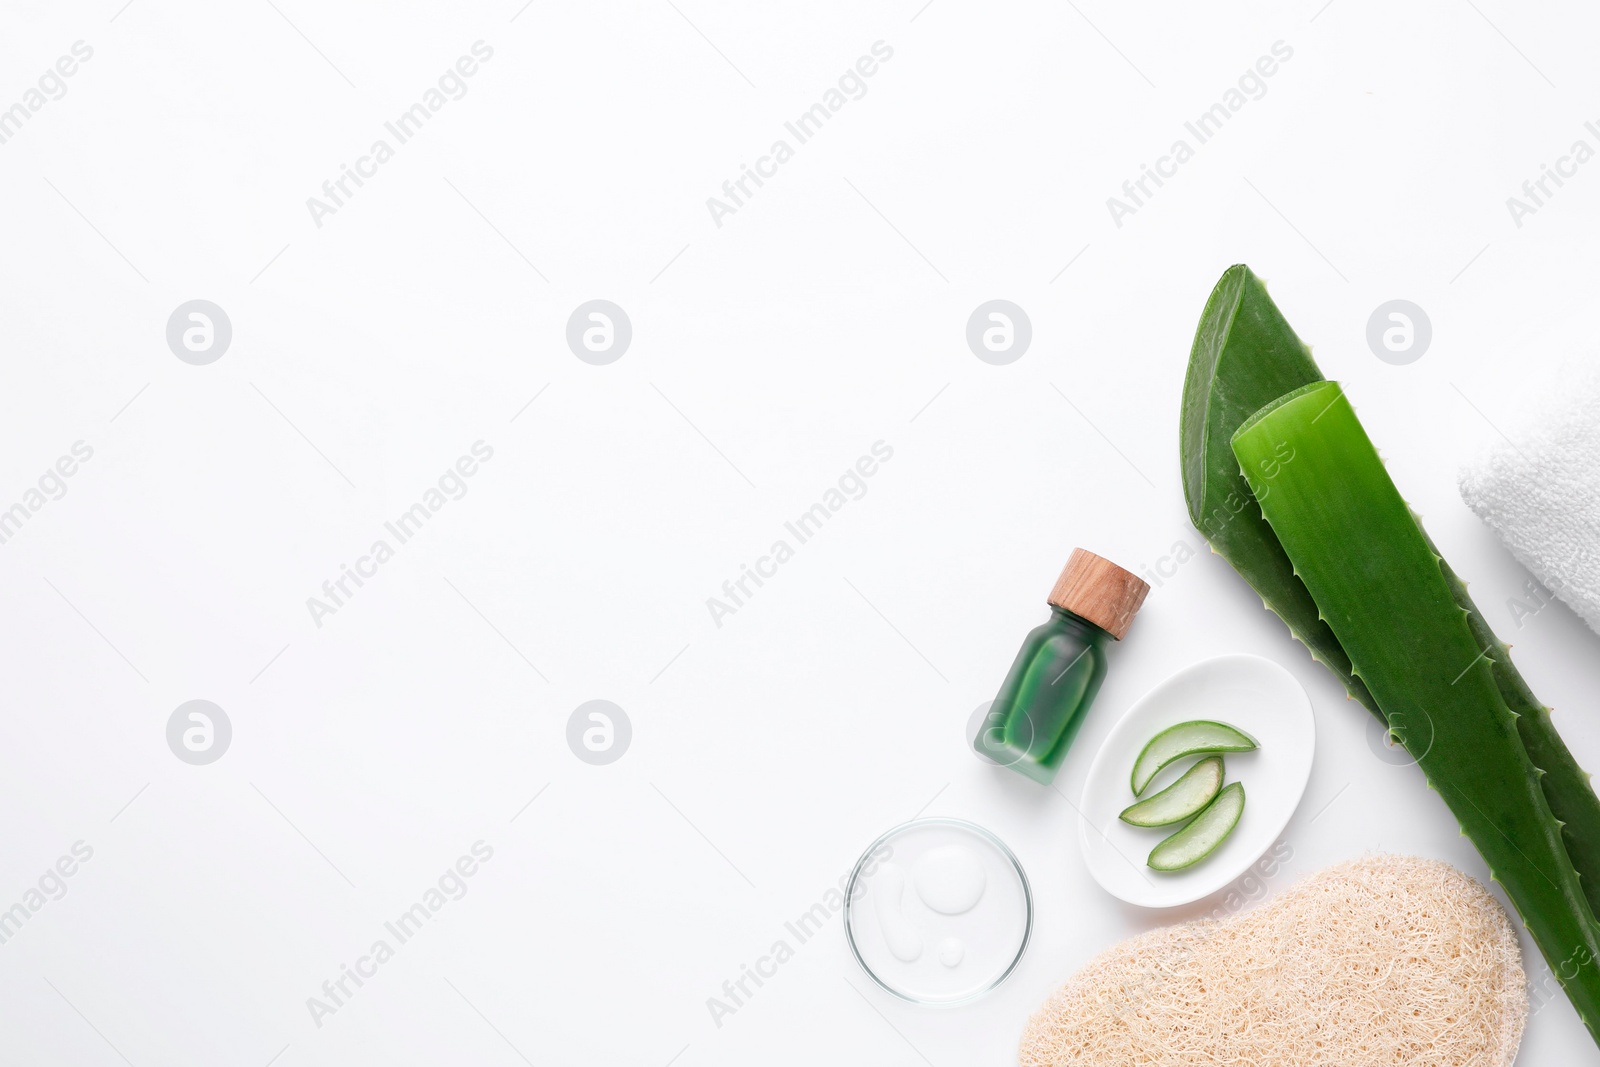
<point>1057,673</point>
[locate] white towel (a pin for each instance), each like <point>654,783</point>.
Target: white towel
<point>1540,492</point>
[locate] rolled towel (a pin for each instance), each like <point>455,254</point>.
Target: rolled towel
<point>1540,492</point>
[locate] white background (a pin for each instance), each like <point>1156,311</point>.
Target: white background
<point>768,354</point>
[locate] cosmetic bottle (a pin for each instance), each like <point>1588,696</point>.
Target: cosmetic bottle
<point>1054,679</point>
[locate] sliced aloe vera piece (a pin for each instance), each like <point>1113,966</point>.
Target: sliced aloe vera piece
<point>1186,739</point>
<point>1194,790</point>
<point>1201,837</point>
<point>1384,592</point>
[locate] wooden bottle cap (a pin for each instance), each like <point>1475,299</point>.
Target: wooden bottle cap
<point>1098,590</point>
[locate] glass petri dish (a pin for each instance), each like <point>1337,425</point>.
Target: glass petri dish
<point>938,911</point>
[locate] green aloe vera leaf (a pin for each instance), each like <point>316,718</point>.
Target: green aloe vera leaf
<point>1382,589</point>
<point>1243,351</point>
<point>1566,785</point>
<point>1245,355</point>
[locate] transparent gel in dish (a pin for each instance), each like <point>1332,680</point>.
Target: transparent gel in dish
<point>938,911</point>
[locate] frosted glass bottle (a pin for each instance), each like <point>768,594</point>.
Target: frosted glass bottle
<point>1057,673</point>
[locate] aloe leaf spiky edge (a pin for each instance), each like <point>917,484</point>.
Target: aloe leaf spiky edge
<point>1232,364</point>
<point>1367,563</point>
<point>1566,784</point>
<point>1245,355</point>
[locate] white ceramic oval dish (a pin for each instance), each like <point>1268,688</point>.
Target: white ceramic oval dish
<point>1255,695</point>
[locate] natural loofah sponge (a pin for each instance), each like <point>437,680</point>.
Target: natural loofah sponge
<point>1386,960</point>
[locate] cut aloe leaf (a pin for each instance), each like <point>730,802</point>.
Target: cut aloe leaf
<point>1202,736</point>
<point>1374,576</point>
<point>1193,791</point>
<point>1245,356</point>
<point>1200,838</point>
